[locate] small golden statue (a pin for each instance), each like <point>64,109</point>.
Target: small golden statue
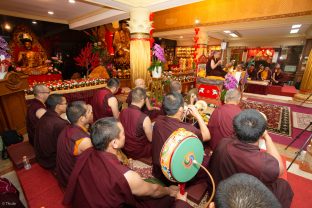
<point>31,62</point>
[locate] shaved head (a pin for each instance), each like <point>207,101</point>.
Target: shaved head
<point>139,83</point>
<point>40,88</point>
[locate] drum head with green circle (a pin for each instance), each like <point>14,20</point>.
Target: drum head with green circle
<point>182,167</point>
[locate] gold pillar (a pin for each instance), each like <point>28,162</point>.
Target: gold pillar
<point>202,42</point>
<point>306,83</point>
<point>140,58</point>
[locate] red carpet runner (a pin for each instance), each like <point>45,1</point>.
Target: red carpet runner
<point>302,188</point>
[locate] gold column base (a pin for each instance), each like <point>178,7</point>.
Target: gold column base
<point>302,96</point>
<point>157,87</point>
<point>306,164</point>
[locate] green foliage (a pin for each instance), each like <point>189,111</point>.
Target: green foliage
<point>154,65</point>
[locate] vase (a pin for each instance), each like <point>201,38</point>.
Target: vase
<point>156,73</point>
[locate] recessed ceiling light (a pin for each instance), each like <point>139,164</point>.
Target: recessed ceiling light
<point>197,21</point>
<point>72,1</point>
<point>50,12</point>
<point>296,26</point>
<point>34,22</point>
<point>7,26</point>
<point>181,36</point>
<point>233,35</point>
<point>294,31</point>
<point>227,31</point>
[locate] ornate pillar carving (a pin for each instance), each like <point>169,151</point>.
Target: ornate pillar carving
<point>202,43</point>
<point>139,26</point>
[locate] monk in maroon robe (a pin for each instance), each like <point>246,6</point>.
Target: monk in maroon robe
<point>221,121</point>
<point>35,109</point>
<point>100,180</point>
<point>48,129</point>
<point>73,140</point>
<point>166,125</point>
<point>243,190</point>
<point>243,155</point>
<point>104,103</point>
<point>138,127</point>
<point>149,110</point>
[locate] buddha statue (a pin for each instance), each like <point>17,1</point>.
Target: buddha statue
<point>121,45</point>
<point>30,61</point>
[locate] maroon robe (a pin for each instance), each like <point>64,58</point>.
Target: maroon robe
<point>32,119</point>
<point>233,156</point>
<point>151,113</point>
<point>47,131</point>
<point>100,105</point>
<point>67,151</point>
<point>136,144</point>
<point>9,195</point>
<point>221,123</point>
<point>98,181</point>
<point>163,128</point>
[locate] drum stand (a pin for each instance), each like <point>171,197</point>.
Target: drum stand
<point>302,147</point>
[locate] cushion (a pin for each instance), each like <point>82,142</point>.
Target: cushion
<point>17,151</point>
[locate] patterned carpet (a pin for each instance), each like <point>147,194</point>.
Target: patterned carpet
<point>278,116</point>
<point>302,120</point>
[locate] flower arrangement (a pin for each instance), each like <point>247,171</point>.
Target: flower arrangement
<point>158,58</point>
<point>230,82</point>
<point>54,65</point>
<point>5,60</point>
<point>4,49</point>
<point>67,84</point>
<point>87,58</point>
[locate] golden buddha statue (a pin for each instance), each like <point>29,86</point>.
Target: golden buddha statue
<point>31,62</point>
<point>121,45</point>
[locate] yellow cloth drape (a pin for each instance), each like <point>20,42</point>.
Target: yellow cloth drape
<point>139,60</point>
<point>306,83</point>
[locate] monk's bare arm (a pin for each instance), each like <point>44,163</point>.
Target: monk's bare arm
<point>141,188</point>
<point>213,65</point>
<point>40,112</point>
<point>148,128</point>
<point>202,126</point>
<point>84,144</point>
<point>113,103</point>
<point>271,149</point>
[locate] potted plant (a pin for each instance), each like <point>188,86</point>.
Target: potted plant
<point>158,60</point>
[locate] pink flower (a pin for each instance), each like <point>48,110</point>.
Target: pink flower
<point>18,69</point>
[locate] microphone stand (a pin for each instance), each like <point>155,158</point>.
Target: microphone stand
<point>302,147</point>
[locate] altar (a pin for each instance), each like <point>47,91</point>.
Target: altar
<point>43,78</point>
<point>257,87</point>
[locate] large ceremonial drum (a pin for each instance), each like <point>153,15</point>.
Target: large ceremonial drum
<point>178,153</point>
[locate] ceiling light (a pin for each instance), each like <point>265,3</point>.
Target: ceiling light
<point>72,1</point>
<point>181,36</point>
<point>233,35</point>
<point>296,26</point>
<point>50,12</point>
<point>34,22</point>
<point>7,26</point>
<point>197,21</point>
<point>227,31</point>
<point>294,31</point>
